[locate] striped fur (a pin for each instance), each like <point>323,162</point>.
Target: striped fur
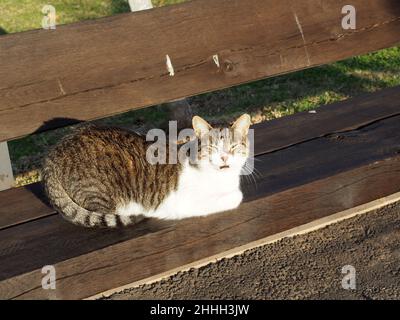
<point>89,173</point>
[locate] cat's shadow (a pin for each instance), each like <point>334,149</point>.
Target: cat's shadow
<point>56,123</point>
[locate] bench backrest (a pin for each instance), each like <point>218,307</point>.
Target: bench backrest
<point>93,69</point>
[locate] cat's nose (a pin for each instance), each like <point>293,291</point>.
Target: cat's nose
<point>224,158</point>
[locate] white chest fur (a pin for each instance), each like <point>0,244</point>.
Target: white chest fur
<point>200,192</point>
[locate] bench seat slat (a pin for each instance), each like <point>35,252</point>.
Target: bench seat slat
<point>22,204</point>
<point>341,116</point>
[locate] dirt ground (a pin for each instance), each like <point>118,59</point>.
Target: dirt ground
<point>303,267</point>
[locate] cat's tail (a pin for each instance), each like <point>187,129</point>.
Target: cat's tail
<point>76,214</point>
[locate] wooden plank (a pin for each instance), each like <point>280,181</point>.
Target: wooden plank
<point>336,117</point>
<point>6,174</point>
<point>142,257</point>
<point>325,156</point>
<point>23,204</point>
<point>269,137</point>
<point>305,228</point>
<point>96,68</point>
<point>179,110</point>
<point>373,148</point>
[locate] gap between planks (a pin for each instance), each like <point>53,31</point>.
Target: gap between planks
<point>305,228</point>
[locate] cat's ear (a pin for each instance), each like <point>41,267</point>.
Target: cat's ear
<point>242,124</point>
<point>200,126</point>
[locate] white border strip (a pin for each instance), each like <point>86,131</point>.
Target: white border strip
<point>6,173</point>
<point>305,228</point>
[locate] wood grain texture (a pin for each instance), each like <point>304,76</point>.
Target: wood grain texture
<point>337,117</point>
<point>97,68</point>
<point>325,156</point>
<point>296,185</point>
<point>303,229</point>
<point>21,205</point>
<point>192,240</point>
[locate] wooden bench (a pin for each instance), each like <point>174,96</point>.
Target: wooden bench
<point>311,165</point>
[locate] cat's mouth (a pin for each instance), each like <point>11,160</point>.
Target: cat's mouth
<point>224,167</point>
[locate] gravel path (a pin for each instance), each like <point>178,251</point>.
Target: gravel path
<point>303,267</point>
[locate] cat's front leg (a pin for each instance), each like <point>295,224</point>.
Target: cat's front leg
<point>229,201</point>
<point>217,203</point>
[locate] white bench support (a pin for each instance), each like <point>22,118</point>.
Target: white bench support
<point>6,174</point>
<point>138,5</point>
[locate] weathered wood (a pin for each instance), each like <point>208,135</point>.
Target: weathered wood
<point>305,228</point>
<point>194,239</point>
<point>336,117</point>
<point>6,174</point>
<point>179,110</point>
<point>23,204</point>
<point>107,66</point>
<point>306,181</point>
<point>325,156</point>
<point>269,137</point>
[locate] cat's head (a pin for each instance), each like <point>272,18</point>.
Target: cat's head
<point>224,148</point>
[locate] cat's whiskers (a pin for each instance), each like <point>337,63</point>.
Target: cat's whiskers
<point>250,174</point>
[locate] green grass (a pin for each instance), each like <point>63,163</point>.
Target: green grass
<point>22,15</point>
<point>265,99</point>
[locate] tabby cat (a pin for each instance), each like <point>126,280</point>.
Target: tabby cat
<point>99,176</point>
